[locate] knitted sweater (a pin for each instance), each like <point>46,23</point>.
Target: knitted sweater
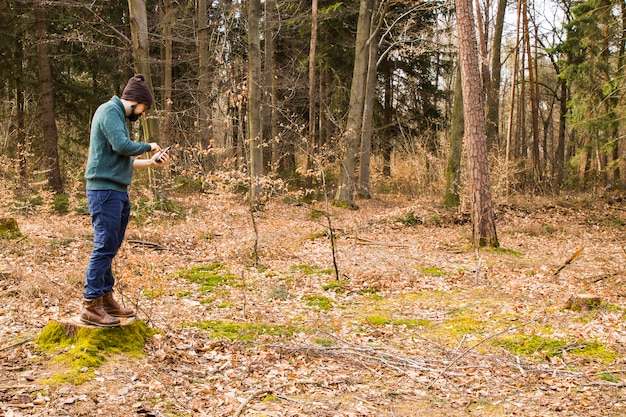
<point>110,162</point>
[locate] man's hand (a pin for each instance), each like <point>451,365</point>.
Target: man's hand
<point>159,158</point>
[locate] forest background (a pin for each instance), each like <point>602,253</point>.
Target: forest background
<point>283,115</point>
<point>551,84</point>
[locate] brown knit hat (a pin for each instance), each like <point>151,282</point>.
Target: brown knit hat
<point>137,90</point>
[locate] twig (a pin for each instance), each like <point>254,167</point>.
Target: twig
<point>255,394</point>
<point>569,261</point>
<point>480,261</point>
<point>605,276</point>
<point>377,243</point>
<point>330,228</point>
<point>468,350</point>
<point>151,245</point>
<point>255,249</point>
<point>11,387</point>
<point>267,390</point>
<point>16,344</point>
<point>243,280</point>
<point>14,243</point>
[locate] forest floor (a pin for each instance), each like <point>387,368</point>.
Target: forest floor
<point>418,324</point>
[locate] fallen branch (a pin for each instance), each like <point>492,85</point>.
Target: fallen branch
<point>468,350</point>
<point>268,390</point>
<point>13,387</point>
<point>150,245</point>
<point>14,345</point>
<point>363,241</point>
<point>255,394</point>
<point>14,243</point>
<point>569,261</point>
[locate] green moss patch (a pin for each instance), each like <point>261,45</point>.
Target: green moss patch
<point>433,271</point>
<point>320,302</point>
<point>535,345</point>
<point>408,323</point>
<point>410,219</point>
<point>531,345</point>
<point>337,286</point>
<point>84,349</point>
<point>311,269</point>
<point>208,276</point>
<point>234,330</point>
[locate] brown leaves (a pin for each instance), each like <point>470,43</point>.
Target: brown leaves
<point>410,330</point>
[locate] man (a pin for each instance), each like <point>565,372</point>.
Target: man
<point>109,173</point>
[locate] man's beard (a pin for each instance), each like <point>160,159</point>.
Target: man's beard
<point>133,117</point>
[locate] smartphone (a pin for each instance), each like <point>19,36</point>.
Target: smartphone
<point>163,152</point>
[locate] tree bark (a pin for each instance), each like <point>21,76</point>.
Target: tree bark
<point>312,140</point>
<point>204,86</point>
<point>23,144</point>
<point>141,55</point>
<point>254,100</point>
<point>270,127</point>
<point>352,134</point>
<point>534,102</point>
<point>48,113</point>
<point>368,112</point>
<point>453,170</point>
<point>387,144</point>
<point>484,228</point>
<point>168,32</point>
<point>493,94</point>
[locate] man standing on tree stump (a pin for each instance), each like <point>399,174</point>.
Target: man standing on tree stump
<point>109,173</point>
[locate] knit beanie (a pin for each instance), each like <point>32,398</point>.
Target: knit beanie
<point>137,90</point>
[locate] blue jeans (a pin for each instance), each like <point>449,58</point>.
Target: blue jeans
<point>110,212</point>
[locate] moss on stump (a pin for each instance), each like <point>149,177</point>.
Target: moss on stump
<point>583,302</point>
<point>82,349</point>
<point>9,228</point>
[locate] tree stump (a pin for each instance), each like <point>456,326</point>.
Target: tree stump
<point>71,326</point>
<point>83,348</point>
<point>582,302</point>
<point>9,228</point>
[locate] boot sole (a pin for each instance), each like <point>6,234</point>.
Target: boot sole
<point>93,323</point>
<point>119,316</point>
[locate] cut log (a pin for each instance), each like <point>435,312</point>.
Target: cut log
<point>71,325</point>
<point>582,302</point>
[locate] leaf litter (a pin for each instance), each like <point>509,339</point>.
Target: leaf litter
<point>420,323</point>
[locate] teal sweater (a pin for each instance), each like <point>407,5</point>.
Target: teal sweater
<point>110,162</point>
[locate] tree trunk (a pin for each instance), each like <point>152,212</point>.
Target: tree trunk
<point>141,55</point>
<point>204,86</point>
<point>534,102</point>
<point>493,94</point>
<point>270,128</point>
<point>453,170</point>
<point>23,146</point>
<point>484,228</point>
<point>168,32</point>
<point>48,115</point>
<point>352,134</point>
<point>559,158</point>
<point>388,117</point>
<point>368,113</point>
<point>254,100</point>
<point>311,141</point>
<point>483,36</point>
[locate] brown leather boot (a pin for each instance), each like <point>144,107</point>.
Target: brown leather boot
<point>94,313</point>
<point>114,308</point>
